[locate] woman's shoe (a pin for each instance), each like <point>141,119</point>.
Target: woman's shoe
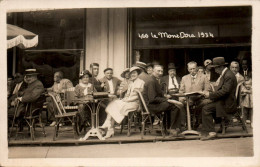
<point>110,133</point>
<point>106,124</point>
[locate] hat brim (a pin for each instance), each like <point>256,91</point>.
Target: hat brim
<point>213,66</point>
<point>32,74</point>
<point>138,71</point>
<point>123,73</point>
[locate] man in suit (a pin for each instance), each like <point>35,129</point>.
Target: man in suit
<point>194,82</point>
<point>246,67</point>
<point>171,84</point>
<point>111,83</point>
<point>234,67</point>
<point>224,100</point>
<point>30,95</point>
<point>171,81</point>
<point>18,87</point>
<point>94,69</point>
<point>157,103</point>
<point>60,84</point>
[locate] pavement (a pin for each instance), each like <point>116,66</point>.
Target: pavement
<point>227,147</point>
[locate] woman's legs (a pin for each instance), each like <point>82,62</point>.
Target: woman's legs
<point>107,122</point>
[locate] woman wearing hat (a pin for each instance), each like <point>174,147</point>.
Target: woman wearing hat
<point>124,84</point>
<point>118,109</point>
<point>83,89</point>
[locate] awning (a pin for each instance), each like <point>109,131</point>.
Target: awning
<point>20,37</point>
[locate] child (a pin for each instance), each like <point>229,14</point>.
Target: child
<point>247,100</point>
<point>83,89</point>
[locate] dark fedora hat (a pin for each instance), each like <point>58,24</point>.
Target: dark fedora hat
<point>218,61</point>
<point>84,72</point>
<point>31,71</point>
<point>171,66</point>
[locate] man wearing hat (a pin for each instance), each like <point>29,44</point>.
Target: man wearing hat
<point>30,94</point>
<point>172,81</point>
<point>149,69</point>
<point>224,100</point>
<point>171,84</point>
<point>17,88</point>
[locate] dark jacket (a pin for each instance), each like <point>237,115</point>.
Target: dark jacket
<point>224,94</point>
<point>165,83</point>
<point>116,84</point>
<point>157,103</point>
<point>165,79</point>
<point>97,84</point>
<point>31,95</point>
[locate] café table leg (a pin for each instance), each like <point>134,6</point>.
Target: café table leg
<point>189,130</point>
<point>94,131</point>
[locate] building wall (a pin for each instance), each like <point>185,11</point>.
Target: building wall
<point>106,39</point>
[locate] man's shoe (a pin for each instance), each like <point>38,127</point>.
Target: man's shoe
<point>173,133</point>
<point>211,136</point>
<point>53,123</point>
<point>220,130</point>
<point>156,122</point>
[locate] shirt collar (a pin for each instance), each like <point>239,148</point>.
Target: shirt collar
<point>225,69</point>
<point>195,76</point>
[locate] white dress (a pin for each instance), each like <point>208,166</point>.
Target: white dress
<point>118,109</point>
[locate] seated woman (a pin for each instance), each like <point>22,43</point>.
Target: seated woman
<point>118,109</point>
<point>124,85</point>
<point>83,89</point>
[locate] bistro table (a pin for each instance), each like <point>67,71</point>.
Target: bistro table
<point>188,95</point>
<point>93,105</point>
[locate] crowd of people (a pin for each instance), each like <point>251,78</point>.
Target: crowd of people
<point>215,82</point>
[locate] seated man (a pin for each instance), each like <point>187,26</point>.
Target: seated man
<point>234,67</point>
<point>94,70</point>
<point>157,103</point>
<point>194,82</point>
<point>111,83</point>
<point>60,84</point>
<point>29,95</point>
<point>172,83</point>
<point>224,99</point>
<point>18,87</point>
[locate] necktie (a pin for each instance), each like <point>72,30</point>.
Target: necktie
<point>192,80</point>
<point>173,83</point>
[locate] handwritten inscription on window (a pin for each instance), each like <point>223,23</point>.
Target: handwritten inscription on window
<point>180,35</point>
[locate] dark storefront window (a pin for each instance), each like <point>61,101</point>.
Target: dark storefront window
<point>181,35</point>
<point>61,42</point>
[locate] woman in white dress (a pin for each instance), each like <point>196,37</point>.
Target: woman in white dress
<point>118,109</point>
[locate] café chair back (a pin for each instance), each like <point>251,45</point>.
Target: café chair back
<point>33,117</point>
<point>146,119</point>
<point>63,116</point>
<point>238,115</point>
<point>69,96</point>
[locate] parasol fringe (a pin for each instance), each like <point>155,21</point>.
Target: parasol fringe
<point>22,42</point>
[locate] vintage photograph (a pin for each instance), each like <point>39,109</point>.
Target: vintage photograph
<point>135,82</point>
